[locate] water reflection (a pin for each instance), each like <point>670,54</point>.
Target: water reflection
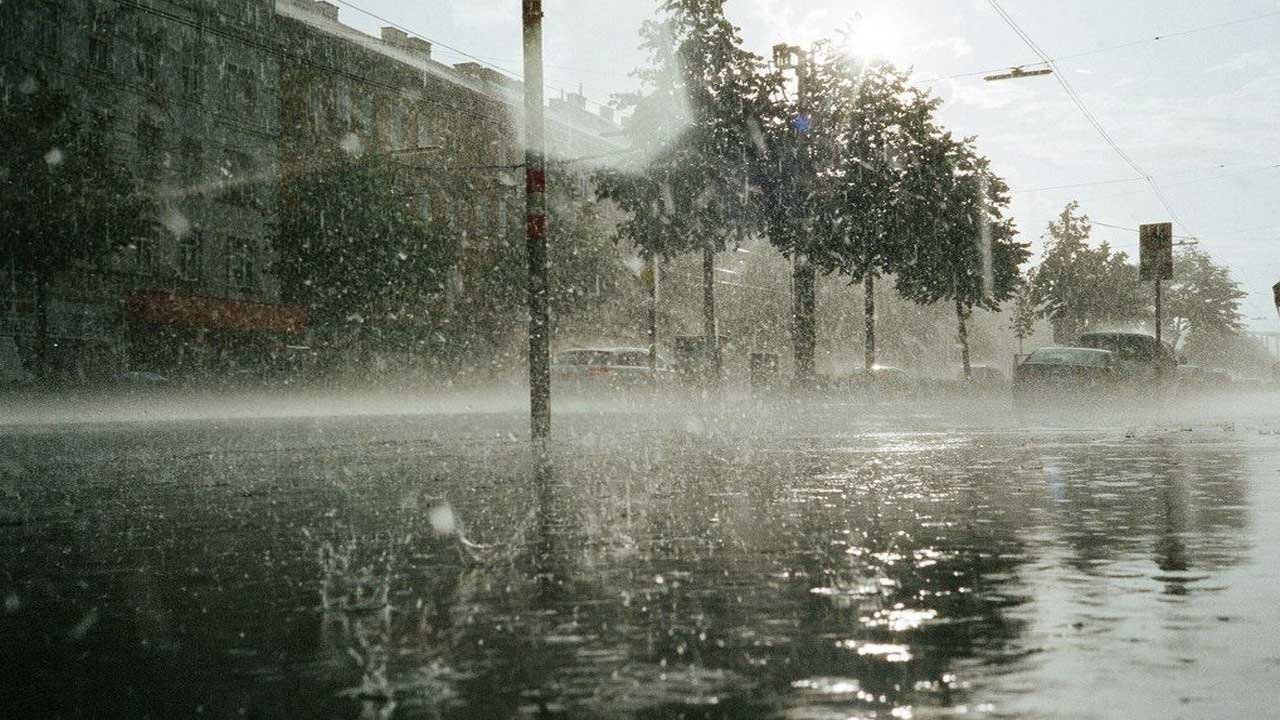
<point>714,568</point>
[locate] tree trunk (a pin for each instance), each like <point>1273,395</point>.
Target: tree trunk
<point>710,338</point>
<point>803,332</point>
<point>653,315</point>
<point>869,317</point>
<point>42,328</point>
<point>964,340</point>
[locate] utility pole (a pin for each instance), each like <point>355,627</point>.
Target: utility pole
<point>710,333</point>
<point>536,226</point>
<point>650,275</point>
<point>803,274</point>
<point>1155,262</point>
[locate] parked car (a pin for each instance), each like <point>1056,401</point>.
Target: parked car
<point>1140,357</point>
<point>1058,371</point>
<point>1197,377</point>
<point>608,367</point>
<point>881,376</point>
<point>982,374</point>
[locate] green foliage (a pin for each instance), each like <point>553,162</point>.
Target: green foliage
<point>351,248</point>
<point>64,198</point>
<point>1023,321</point>
<point>966,250</point>
<point>1202,299</point>
<point>843,182</point>
<point>1077,286</point>
<point>691,126</point>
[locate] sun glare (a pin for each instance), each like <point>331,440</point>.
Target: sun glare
<point>874,36</point>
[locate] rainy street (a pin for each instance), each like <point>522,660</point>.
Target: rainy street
<point>716,561</point>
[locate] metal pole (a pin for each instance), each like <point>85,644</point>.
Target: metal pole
<point>804,275</point>
<point>710,335</point>
<point>536,226</point>
<point>652,263</point>
<point>1159,324</point>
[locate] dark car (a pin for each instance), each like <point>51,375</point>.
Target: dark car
<point>1140,357</point>
<point>1060,371</point>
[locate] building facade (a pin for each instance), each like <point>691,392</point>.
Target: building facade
<point>187,91</point>
<point>214,104</point>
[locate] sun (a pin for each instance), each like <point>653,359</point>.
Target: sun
<point>874,37</point>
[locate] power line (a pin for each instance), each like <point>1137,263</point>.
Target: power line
<point>1110,48</point>
<point>463,53</point>
<point>1084,110</point>
<point>1077,185</point>
<point>1117,181</point>
<point>1130,229</point>
<point>282,53</point>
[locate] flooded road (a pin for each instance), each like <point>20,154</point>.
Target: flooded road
<point>733,563</point>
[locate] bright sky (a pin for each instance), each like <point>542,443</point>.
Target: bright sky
<point>1197,111</point>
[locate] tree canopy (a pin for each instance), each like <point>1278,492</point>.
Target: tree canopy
<point>64,196</point>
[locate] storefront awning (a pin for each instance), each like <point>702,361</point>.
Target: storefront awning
<point>167,308</point>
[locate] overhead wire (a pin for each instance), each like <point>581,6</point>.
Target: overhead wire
<point>1108,48</point>
<point>1084,110</point>
<point>463,53</point>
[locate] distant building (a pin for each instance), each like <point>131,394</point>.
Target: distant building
<point>189,90</point>
<point>456,129</point>
<point>214,103</point>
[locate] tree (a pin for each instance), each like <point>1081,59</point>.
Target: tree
<point>65,198</point>
<point>350,246</point>
<point>1023,321</point>
<point>1202,299</point>
<point>972,256</point>
<point>1077,286</point>
<point>691,129</point>
<point>836,184</point>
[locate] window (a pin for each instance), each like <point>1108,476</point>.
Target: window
<point>425,130</point>
<point>144,255</point>
<point>17,299</point>
<point>100,58</point>
<point>47,30</point>
<point>240,270</point>
<point>192,158</point>
<point>150,155</point>
<point>241,87</point>
<point>192,61</point>
<point>191,256</point>
<point>237,173</point>
<point>422,204</point>
<point>146,57</point>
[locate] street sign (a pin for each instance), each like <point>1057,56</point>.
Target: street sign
<point>1017,73</point>
<point>1155,261</point>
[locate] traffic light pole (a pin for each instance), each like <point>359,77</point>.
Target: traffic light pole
<point>1159,323</point>
<point>803,274</point>
<point>536,226</point>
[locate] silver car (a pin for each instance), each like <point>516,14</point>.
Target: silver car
<point>608,367</point>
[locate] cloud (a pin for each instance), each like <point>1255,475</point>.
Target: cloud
<point>1247,60</point>
<point>957,45</point>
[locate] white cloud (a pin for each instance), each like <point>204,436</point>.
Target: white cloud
<point>957,45</point>
<point>1247,60</point>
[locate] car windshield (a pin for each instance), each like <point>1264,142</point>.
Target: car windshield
<point>1127,346</point>
<point>1069,356</point>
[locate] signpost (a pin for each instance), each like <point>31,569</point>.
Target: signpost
<point>1155,263</point>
